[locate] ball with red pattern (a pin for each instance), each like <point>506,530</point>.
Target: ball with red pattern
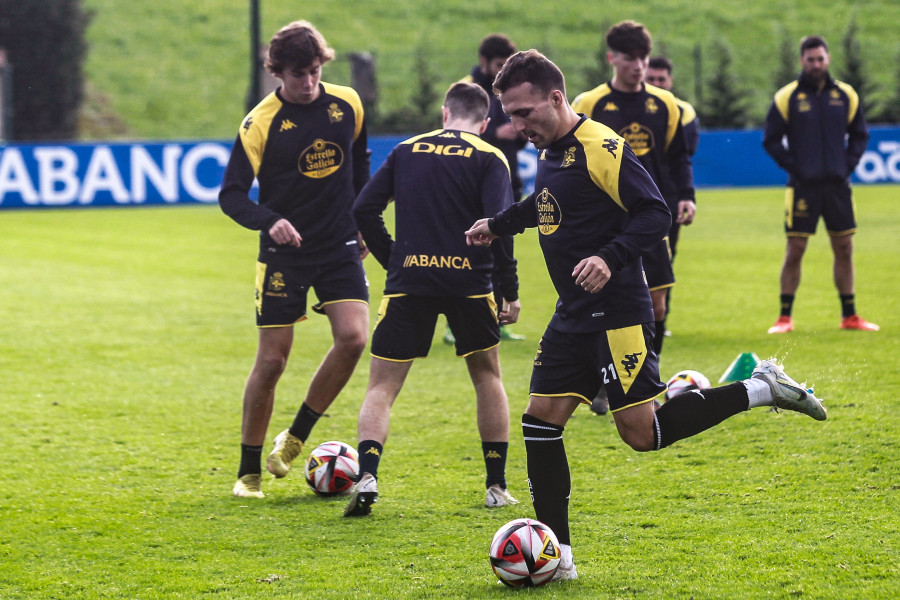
<point>524,553</point>
<point>332,468</point>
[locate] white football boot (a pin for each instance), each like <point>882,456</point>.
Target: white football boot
<point>787,393</point>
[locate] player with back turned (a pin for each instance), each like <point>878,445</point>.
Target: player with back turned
<point>306,144</point>
<point>597,210</point>
<point>439,182</point>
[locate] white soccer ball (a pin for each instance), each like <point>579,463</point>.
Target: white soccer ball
<point>524,553</point>
<point>685,381</point>
<point>332,468</point>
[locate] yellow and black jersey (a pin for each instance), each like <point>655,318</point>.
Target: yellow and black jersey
<point>825,128</point>
<point>592,198</point>
<point>650,121</point>
<point>441,182</point>
<point>310,161</point>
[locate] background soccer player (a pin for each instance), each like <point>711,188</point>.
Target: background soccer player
<point>823,122</point>
<point>440,182</point>
<point>306,144</point>
<point>650,121</point>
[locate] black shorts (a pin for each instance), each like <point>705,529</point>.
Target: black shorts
<point>576,364</point>
<point>804,203</point>
<point>281,291</point>
<point>405,325</point>
<point>658,266</point>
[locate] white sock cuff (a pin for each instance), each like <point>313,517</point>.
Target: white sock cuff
<point>759,392</point>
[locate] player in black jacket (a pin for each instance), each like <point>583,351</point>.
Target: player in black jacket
<point>306,145</point>
<point>826,133</point>
<point>597,210</point>
<point>440,182</point>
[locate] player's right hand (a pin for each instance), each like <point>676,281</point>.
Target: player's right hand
<point>480,234</point>
<point>282,232</point>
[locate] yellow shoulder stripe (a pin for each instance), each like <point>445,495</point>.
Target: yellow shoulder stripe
<point>254,131</point>
<point>688,113</point>
<point>603,149</point>
<point>586,101</point>
<point>348,95</point>
<point>852,98</point>
<point>674,116</point>
<point>483,146</point>
<point>783,98</point>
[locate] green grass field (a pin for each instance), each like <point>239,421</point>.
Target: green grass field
<point>126,336</point>
<point>173,69</point>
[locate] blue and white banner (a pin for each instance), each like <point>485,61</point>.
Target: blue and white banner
<point>158,173</point>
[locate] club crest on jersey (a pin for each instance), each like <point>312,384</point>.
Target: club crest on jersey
<point>640,138</point>
<point>651,106</point>
<point>549,213</point>
<point>335,114</point>
<point>321,159</point>
<point>568,158</point>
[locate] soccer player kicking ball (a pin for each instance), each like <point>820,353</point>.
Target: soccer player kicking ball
<point>439,183</point>
<point>597,210</point>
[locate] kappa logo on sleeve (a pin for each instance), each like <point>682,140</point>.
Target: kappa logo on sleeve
<point>611,145</point>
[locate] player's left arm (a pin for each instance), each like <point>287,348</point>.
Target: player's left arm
<point>682,174</point>
<point>857,139</point>
<point>649,215</point>
<point>368,208</point>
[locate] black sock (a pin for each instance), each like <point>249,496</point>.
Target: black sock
<point>548,474</point>
<point>304,422</point>
<point>787,304</point>
<point>251,460</point>
<point>690,413</point>
<point>369,455</point>
<point>658,337</point>
<point>848,305</point>
<point>495,462</point>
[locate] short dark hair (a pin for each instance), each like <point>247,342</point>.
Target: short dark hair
<point>467,100</point>
<point>812,41</point>
<point>629,37</point>
<point>660,62</point>
<point>496,45</point>
<point>530,66</point>
<point>296,46</point>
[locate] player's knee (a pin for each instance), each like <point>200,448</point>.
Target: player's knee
<point>638,442</point>
<point>351,342</point>
<point>271,365</point>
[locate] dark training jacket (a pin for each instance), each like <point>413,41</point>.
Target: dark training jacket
<point>816,120</point>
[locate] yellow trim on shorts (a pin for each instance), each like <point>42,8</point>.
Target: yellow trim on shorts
<point>789,207</point>
<point>479,350</point>
<point>636,403</point>
<point>303,318</point>
<point>662,287</point>
<point>579,397</point>
<point>842,233</point>
<point>396,360</point>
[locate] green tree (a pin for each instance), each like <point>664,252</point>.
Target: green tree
<point>724,104</point>
<point>600,70</point>
<point>45,44</point>
<point>890,108</point>
<point>854,72</point>
<point>788,60</point>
